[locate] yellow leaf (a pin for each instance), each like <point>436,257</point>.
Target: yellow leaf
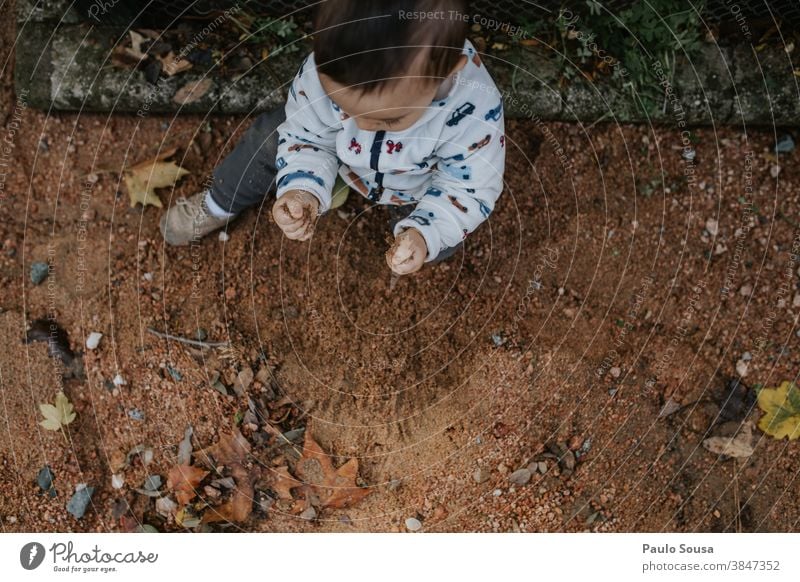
<point>57,414</point>
<point>781,408</point>
<point>142,180</point>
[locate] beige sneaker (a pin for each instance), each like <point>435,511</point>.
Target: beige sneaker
<point>189,220</point>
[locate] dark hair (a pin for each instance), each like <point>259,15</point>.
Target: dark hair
<point>366,43</point>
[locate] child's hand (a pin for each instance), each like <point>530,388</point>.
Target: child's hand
<point>408,252</point>
<point>295,213</point>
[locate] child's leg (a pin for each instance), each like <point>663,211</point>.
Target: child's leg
<point>242,180</point>
<point>247,173</point>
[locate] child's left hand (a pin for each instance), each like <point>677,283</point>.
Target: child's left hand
<point>408,252</point>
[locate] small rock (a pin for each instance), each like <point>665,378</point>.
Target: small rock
<point>165,506</point>
<point>93,340</point>
<point>746,290</point>
<point>117,481</point>
<point>670,407</point>
<point>746,357</point>
<point>520,477</point>
<point>243,381</point>
<point>152,482</point>
<point>224,236</point>
<point>136,414</point>
<point>211,492</point>
<point>413,524</point>
<point>45,478</point>
<point>542,465</point>
<point>119,381</point>
<point>79,502</point>
<point>742,368</point>
<point>481,475</point>
<point>39,272</point>
<point>309,514</point>
<point>225,483</point>
<point>712,226</point>
<point>497,493</point>
<point>185,447</point>
<point>615,372</point>
<point>785,145</point>
<point>774,171</point>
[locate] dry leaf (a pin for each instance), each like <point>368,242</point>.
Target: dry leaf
<point>184,481</point>
<point>781,406</point>
<point>231,449</point>
<point>59,414</point>
<point>738,446</point>
<point>336,488</point>
<point>282,482</point>
<point>241,504</point>
<point>192,92</point>
<point>172,66</point>
<point>142,179</point>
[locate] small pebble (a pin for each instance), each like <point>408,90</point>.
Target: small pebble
<point>119,381</point>
<point>39,272</point>
<point>745,290</point>
<point>225,237</point>
<point>542,467</point>
<point>481,475</point>
<point>742,368</point>
<point>309,514</point>
<point>117,481</point>
<point>712,226</point>
<point>136,414</point>
<point>520,477</point>
<point>93,340</point>
<point>413,524</point>
<point>615,372</point>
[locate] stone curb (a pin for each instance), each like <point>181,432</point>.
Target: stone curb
<point>70,71</point>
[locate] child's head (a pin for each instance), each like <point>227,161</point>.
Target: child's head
<point>382,61</point>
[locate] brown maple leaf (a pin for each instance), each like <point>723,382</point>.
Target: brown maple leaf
<point>184,481</point>
<point>335,488</point>
<point>231,449</point>
<point>241,504</point>
<point>281,482</point>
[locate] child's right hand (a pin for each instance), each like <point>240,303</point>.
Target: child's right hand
<point>295,213</point>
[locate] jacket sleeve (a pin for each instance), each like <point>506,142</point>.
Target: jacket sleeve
<point>467,181</point>
<point>306,158</point>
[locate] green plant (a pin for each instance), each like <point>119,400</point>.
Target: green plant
<point>628,44</point>
<point>282,32</point>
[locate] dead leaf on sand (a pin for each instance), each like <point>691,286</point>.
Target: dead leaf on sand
<point>142,179</point>
<point>184,481</point>
<point>336,488</point>
<point>231,451</point>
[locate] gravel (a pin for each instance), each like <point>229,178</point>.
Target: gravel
<point>93,340</point>
<point>413,524</point>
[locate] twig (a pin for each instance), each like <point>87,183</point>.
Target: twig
<point>184,340</point>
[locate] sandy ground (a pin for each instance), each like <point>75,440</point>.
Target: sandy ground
<point>600,290</point>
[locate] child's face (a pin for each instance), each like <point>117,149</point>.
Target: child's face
<point>395,107</point>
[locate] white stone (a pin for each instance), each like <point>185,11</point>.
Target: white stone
<point>413,524</point>
<point>119,381</point>
<point>117,481</point>
<point>93,340</point>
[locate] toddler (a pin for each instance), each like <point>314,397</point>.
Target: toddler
<point>396,103</point>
